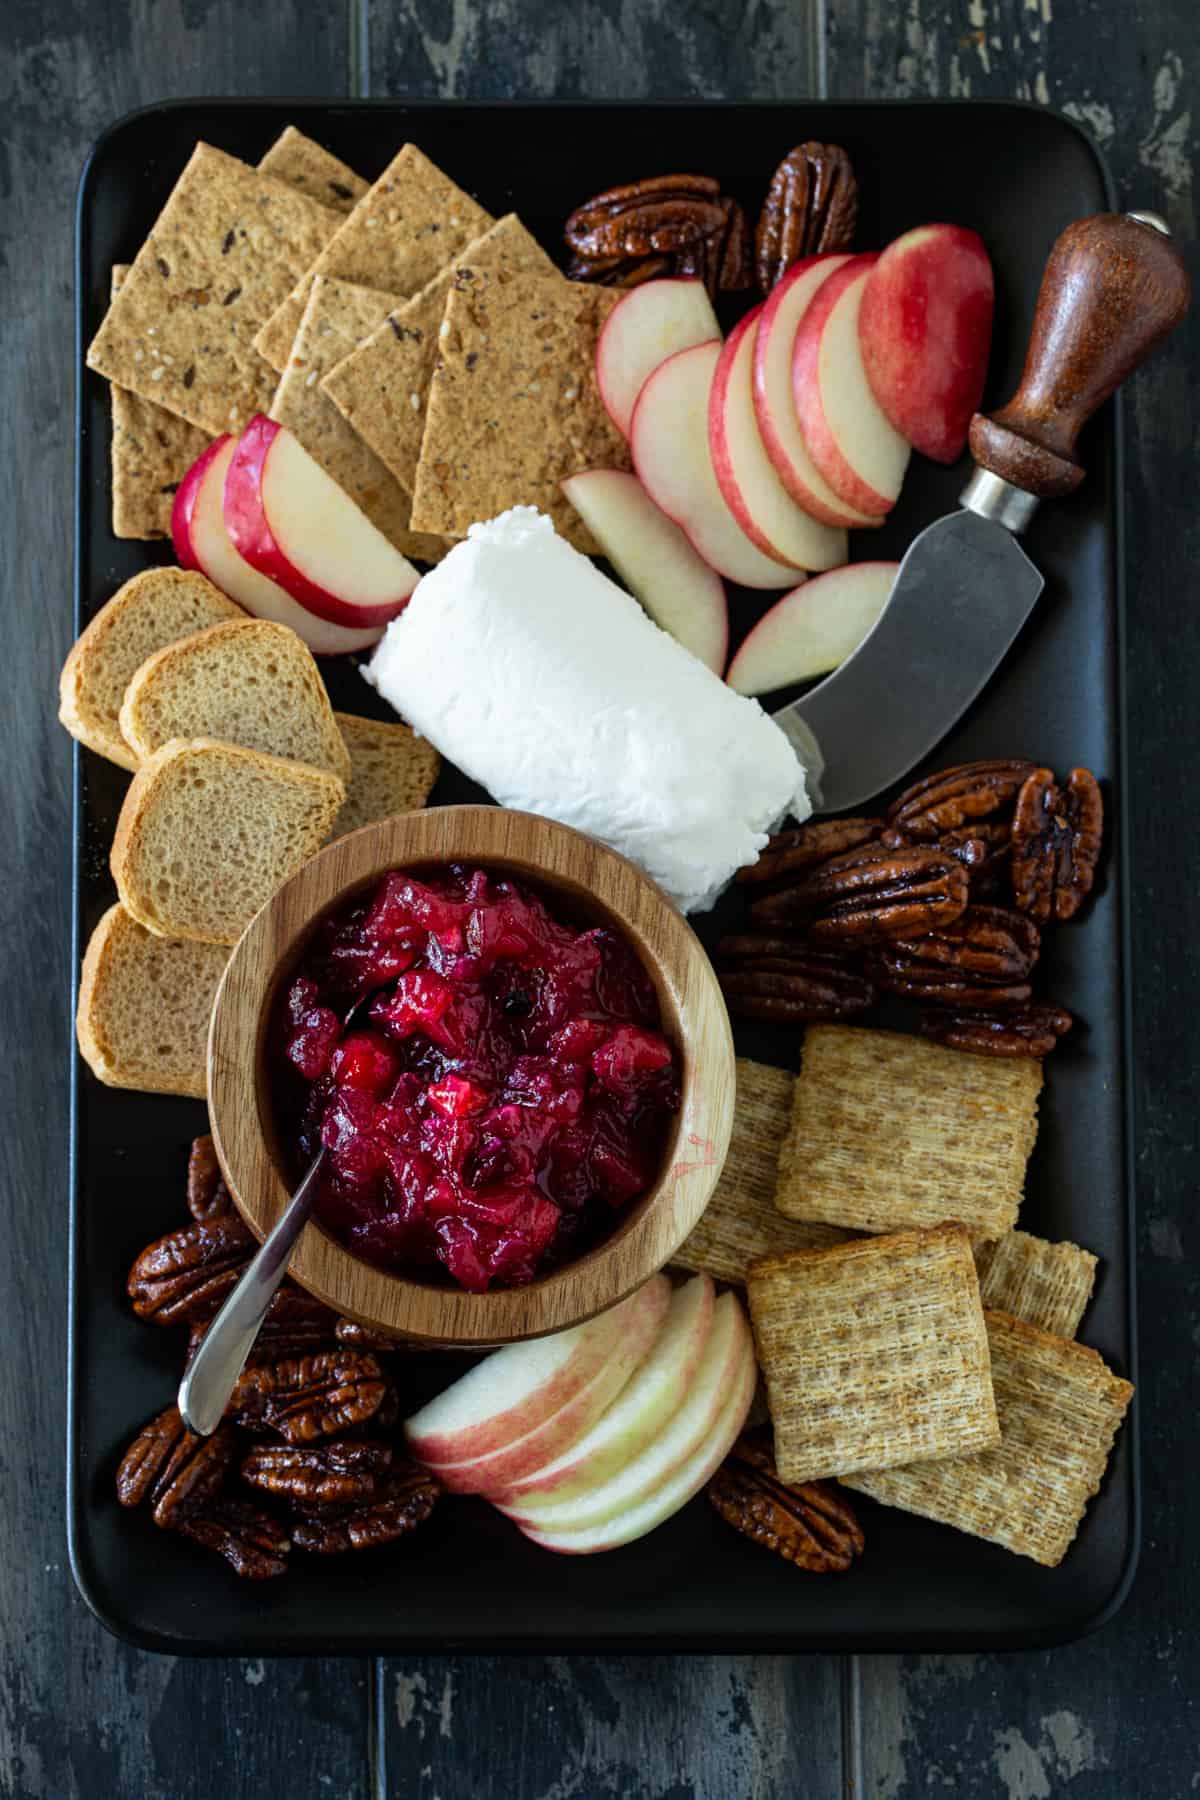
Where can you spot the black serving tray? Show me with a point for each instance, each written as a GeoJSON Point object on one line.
{"type": "Point", "coordinates": [1018, 174]}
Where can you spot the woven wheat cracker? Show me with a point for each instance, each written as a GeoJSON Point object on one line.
{"type": "Point", "coordinates": [1047, 1285]}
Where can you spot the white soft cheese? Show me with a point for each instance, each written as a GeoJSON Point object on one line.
{"type": "Point", "coordinates": [547, 684]}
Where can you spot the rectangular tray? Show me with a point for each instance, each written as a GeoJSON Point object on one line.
{"type": "Point", "coordinates": [1018, 174]}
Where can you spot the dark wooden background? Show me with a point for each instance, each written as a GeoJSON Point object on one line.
{"type": "Point", "coordinates": [81, 1715]}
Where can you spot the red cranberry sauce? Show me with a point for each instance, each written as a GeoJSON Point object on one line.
{"type": "Point", "coordinates": [506, 1088]}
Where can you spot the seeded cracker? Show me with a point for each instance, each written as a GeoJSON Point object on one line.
{"type": "Point", "coordinates": [383, 387]}
{"type": "Point", "coordinates": [314, 170]}
{"type": "Point", "coordinates": [338, 315]}
{"type": "Point", "coordinates": [741, 1223]}
{"type": "Point", "coordinates": [874, 1353]}
{"type": "Point", "coordinates": [391, 771]}
{"type": "Point", "coordinates": [513, 405]}
{"type": "Point", "coordinates": [1047, 1285]}
{"type": "Point", "coordinates": [152, 451]}
{"type": "Point", "coordinates": [1059, 1408]}
{"type": "Point", "coordinates": [888, 1131]}
{"type": "Point", "coordinates": [223, 252]}
{"type": "Point", "coordinates": [407, 227]}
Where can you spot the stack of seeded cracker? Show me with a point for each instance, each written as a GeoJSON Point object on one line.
{"type": "Point", "coordinates": [430, 357]}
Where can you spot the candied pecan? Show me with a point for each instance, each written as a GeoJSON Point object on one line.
{"type": "Point", "coordinates": [804, 984]}
{"type": "Point", "coordinates": [991, 941]}
{"type": "Point", "coordinates": [364, 1337]}
{"type": "Point", "coordinates": [680, 224]}
{"type": "Point", "coordinates": [253, 1543]}
{"type": "Point", "coordinates": [296, 1324]}
{"type": "Point", "coordinates": [173, 1468]}
{"type": "Point", "coordinates": [1056, 836]}
{"type": "Point", "coordinates": [306, 1397]}
{"type": "Point", "coordinates": [207, 1195]}
{"type": "Point", "coordinates": [811, 207]}
{"type": "Point", "coordinates": [405, 1499]}
{"type": "Point", "coordinates": [794, 852]}
{"type": "Point", "coordinates": [186, 1275]}
{"type": "Point", "coordinates": [953, 797]}
{"type": "Point", "coordinates": [811, 1524]}
{"type": "Point", "coordinates": [1031, 1030]}
{"type": "Point", "coordinates": [871, 894]}
{"type": "Point", "coordinates": [340, 1473]}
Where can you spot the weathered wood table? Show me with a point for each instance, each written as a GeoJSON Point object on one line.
{"type": "Point", "coordinates": [83, 1716]}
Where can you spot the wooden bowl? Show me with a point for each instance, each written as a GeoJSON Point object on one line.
{"type": "Point", "coordinates": [598, 886]}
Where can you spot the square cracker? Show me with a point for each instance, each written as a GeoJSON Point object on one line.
{"type": "Point", "coordinates": [1047, 1285]}
{"type": "Point", "coordinates": [1059, 1407]}
{"type": "Point", "coordinates": [874, 1353]}
{"type": "Point", "coordinates": [513, 404]}
{"type": "Point", "coordinates": [338, 315]}
{"type": "Point", "coordinates": [227, 246]}
{"type": "Point", "coordinates": [888, 1131]}
{"type": "Point", "coordinates": [152, 451]}
{"type": "Point", "coordinates": [307, 165]}
{"type": "Point", "coordinates": [741, 1223]}
{"type": "Point", "coordinates": [404, 229]}
{"type": "Point", "coordinates": [391, 771]}
{"type": "Point", "coordinates": [382, 388]}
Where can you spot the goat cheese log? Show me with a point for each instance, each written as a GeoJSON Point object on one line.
{"type": "Point", "coordinates": [547, 684]}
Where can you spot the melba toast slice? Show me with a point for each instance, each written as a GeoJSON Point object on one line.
{"type": "Point", "coordinates": [392, 771]}
{"type": "Point", "coordinates": [144, 1007]}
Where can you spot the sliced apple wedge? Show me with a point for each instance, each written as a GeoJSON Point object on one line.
{"type": "Point", "coordinates": [202, 542]}
{"type": "Point", "coordinates": [813, 629]}
{"type": "Point", "coordinates": [655, 559]}
{"type": "Point", "coordinates": [745, 473]}
{"type": "Point", "coordinates": [651, 323]}
{"type": "Point", "coordinates": [774, 401]}
{"type": "Point", "coordinates": [850, 438]}
{"type": "Point", "coordinates": [669, 441]}
{"type": "Point", "coordinates": [294, 524]}
{"type": "Point", "coordinates": [653, 1395]}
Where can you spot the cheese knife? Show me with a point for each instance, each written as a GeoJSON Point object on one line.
{"type": "Point", "coordinates": [1114, 287]}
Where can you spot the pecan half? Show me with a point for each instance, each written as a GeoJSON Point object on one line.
{"type": "Point", "coordinates": [1057, 834]}
{"type": "Point", "coordinates": [186, 1274]}
{"type": "Point", "coordinates": [313, 1477]}
{"type": "Point", "coordinates": [955, 797]}
{"type": "Point", "coordinates": [811, 207]}
{"type": "Point", "coordinates": [991, 941]}
{"type": "Point", "coordinates": [253, 1543]}
{"type": "Point", "coordinates": [173, 1468]}
{"type": "Point", "coordinates": [207, 1195]}
{"type": "Point", "coordinates": [811, 1525]}
{"type": "Point", "coordinates": [363, 1337]}
{"type": "Point", "coordinates": [871, 894]}
{"type": "Point", "coordinates": [794, 852]}
{"type": "Point", "coordinates": [1031, 1030]}
{"type": "Point", "coordinates": [307, 1397]}
{"type": "Point", "coordinates": [296, 1324]}
{"type": "Point", "coordinates": [405, 1500]}
{"type": "Point", "coordinates": [786, 980]}
{"type": "Point", "coordinates": [680, 224]}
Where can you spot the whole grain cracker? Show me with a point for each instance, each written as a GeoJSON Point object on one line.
{"type": "Point", "coordinates": [874, 1353]}
{"type": "Point", "coordinates": [513, 404]}
{"type": "Point", "coordinates": [404, 229]}
{"type": "Point", "coordinates": [392, 770]}
{"type": "Point", "coordinates": [315, 171]}
{"type": "Point", "coordinates": [741, 1223]}
{"type": "Point", "coordinates": [338, 315]}
{"type": "Point", "coordinates": [1059, 1407]}
{"type": "Point", "coordinates": [382, 388]}
{"type": "Point", "coordinates": [888, 1131]}
{"type": "Point", "coordinates": [1047, 1285]}
{"type": "Point", "coordinates": [151, 452]}
{"type": "Point", "coordinates": [226, 248]}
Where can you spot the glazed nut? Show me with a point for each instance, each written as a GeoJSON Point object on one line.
{"type": "Point", "coordinates": [207, 1195]}
{"type": "Point", "coordinates": [307, 1397]}
{"type": "Point", "coordinates": [295, 1324]}
{"type": "Point", "coordinates": [185, 1275]}
{"type": "Point", "coordinates": [173, 1468]}
{"type": "Point", "coordinates": [1031, 1030]}
{"type": "Point", "coordinates": [666, 224]}
{"type": "Point", "coordinates": [313, 1477]}
{"type": "Point", "coordinates": [952, 798]}
{"type": "Point", "coordinates": [793, 852]}
{"type": "Point", "coordinates": [404, 1499]}
{"type": "Point", "coordinates": [777, 979]}
{"type": "Point", "coordinates": [811, 1525]}
{"type": "Point", "coordinates": [989, 941]}
{"type": "Point", "coordinates": [1057, 835]}
{"type": "Point", "coordinates": [253, 1543]}
{"type": "Point", "coordinates": [870, 895]}
{"type": "Point", "coordinates": [811, 208]}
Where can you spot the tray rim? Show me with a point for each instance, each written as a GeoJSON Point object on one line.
{"type": "Point", "coordinates": [948, 1642]}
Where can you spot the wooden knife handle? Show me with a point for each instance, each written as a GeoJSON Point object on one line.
{"type": "Point", "coordinates": [1113, 288]}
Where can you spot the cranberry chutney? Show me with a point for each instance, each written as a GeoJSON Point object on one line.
{"type": "Point", "coordinates": [503, 1094]}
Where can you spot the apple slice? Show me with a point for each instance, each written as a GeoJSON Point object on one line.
{"type": "Point", "coordinates": [745, 473]}
{"type": "Point", "coordinates": [202, 542]}
{"type": "Point", "coordinates": [651, 323]}
{"type": "Point", "coordinates": [293, 523]}
{"type": "Point", "coordinates": [850, 438]}
{"type": "Point", "coordinates": [669, 441]}
{"type": "Point", "coordinates": [516, 1389]}
{"type": "Point", "coordinates": [653, 1396]}
{"type": "Point", "coordinates": [664, 1501]}
{"type": "Point", "coordinates": [925, 328]}
{"type": "Point", "coordinates": [812, 629]}
{"type": "Point", "coordinates": [655, 559]}
{"type": "Point", "coordinates": [728, 1348]}
{"type": "Point", "coordinates": [774, 403]}
{"type": "Point", "coordinates": [494, 1473]}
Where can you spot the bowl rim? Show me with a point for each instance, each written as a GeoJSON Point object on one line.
{"type": "Point", "coordinates": [563, 860]}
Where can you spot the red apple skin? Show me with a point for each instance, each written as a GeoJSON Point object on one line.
{"type": "Point", "coordinates": [184, 505]}
{"type": "Point", "coordinates": [826, 452]}
{"type": "Point", "coordinates": [248, 527]}
{"type": "Point", "coordinates": [925, 331]}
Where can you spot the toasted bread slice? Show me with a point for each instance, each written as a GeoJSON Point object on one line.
{"type": "Point", "coordinates": [246, 682]}
{"type": "Point", "coordinates": [208, 831]}
{"type": "Point", "coordinates": [144, 1006]}
{"type": "Point", "coordinates": [156, 608]}
{"type": "Point", "coordinates": [391, 771]}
